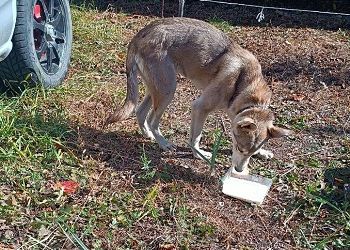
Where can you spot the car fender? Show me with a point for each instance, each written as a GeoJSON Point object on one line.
{"type": "Point", "coordinates": [8, 14]}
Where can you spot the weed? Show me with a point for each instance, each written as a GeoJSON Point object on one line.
{"type": "Point", "coordinates": [73, 237]}
{"type": "Point", "coordinates": [314, 163]}
{"type": "Point", "coordinates": [148, 171]}
{"type": "Point", "coordinates": [214, 151]}
{"type": "Point", "coordinates": [203, 229]}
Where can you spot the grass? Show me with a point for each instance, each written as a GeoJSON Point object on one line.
{"type": "Point", "coordinates": [42, 143]}
{"type": "Point", "coordinates": [33, 156]}
{"type": "Point", "coordinates": [321, 204]}
{"type": "Point", "coordinates": [149, 171]}
{"type": "Point", "coordinates": [223, 25]}
{"type": "Point", "coordinates": [214, 151]}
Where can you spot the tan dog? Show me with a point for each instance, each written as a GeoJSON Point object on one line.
{"type": "Point", "coordinates": [229, 76]}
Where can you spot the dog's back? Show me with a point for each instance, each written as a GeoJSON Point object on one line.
{"type": "Point", "coordinates": [197, 49]}
{"type": "Point", "coordinates": [196, 41]}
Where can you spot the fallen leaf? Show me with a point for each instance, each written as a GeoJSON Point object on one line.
{"type": "Point", "coordinates": [9, 234]}
{"type": "Point", "coordinates": [69, 187]}
{"type": "Point", "coordinates": [43, 231]}
{"type": "Point", "coordinates": [297, 97]}
{"type": "Point", "coordinates": [13, 201]}
{"type": "Point", "coordinates": [167, 247]}
{"type": "Point", "coordinates": [6, 247]}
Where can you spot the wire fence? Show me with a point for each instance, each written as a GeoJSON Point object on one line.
{"type": "Point", "coordinates": [261, 15]}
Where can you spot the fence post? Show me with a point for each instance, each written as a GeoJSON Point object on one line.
{"type": "Point", "coordinates": [181, 7]}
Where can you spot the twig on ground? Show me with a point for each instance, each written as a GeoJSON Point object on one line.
{"type": "Point", "coordinates": [40, 242]}
{"type": "Point", "coordinates": [292, 214]}
{"type": "Point", "coordinates": [289, 170]}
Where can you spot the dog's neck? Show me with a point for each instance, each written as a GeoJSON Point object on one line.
{"type": "Point", "coordinates": [251, 106]}
{"type": "Point", "coordinates": [250, 99]}
{"type": "Point", "coordinates": [250, 90]}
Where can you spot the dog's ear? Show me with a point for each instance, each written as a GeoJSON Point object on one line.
{"type": "Point", "coordinates": [277, 132]}
{"type": "Point", "coordinates": [247, 124]}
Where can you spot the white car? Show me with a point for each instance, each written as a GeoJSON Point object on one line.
{"type": "Point", "coordinates": [35, 41]}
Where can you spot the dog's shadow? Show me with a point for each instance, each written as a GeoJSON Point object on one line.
{"type": "Point", "coordinates": [131, 152]}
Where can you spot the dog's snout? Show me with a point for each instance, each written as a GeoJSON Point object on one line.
{"type": "Point", "coordinates": [239, 168]}
{"type": "Point", "coordinates": [239, 160]}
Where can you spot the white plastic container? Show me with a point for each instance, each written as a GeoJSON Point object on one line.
{"type": "Point", "coordinates": [245, 187]}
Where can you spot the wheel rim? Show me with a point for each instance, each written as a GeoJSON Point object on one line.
{"type": "Point", "coordinates": [50, 32]}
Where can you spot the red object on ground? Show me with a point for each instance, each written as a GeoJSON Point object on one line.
{"type": "Point", "coordinates": [69, 187]}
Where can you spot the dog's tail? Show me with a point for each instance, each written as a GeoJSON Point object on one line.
{"type": "Point", "coordinates": [132, 94]}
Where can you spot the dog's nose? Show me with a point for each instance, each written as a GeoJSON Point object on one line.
{"type": "Point", "coordinates": [239, 168]}
{"type": "Point", "coordinates": [241, 165]}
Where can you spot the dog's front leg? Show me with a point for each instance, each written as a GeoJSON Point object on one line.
{"type": "Point", "coordinates": [264, 154]}
{"type": "Point", "coordinates": [198, 117]}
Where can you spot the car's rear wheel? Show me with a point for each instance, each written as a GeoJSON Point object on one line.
{"type": "Point", "coordinates": [42, 43]}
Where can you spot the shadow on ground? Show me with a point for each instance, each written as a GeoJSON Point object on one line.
{"type": "Point", "coordinates": [339, 180]}
{"type": "Point", "coordinates": [124, 151]}
{"type": "Point", "coordinates": [287, 69]}
{"type": "Point", "coordinates": [329, 130]}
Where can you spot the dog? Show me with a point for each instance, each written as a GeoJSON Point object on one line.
{"type": "Point", "coordinates": [229, 77]}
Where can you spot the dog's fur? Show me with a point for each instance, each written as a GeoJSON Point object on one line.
{"type": "Point", "coordinates": [229, 76]}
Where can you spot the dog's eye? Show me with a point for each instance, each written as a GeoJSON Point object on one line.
{"type": "Point", "coordinates": [239, 150]}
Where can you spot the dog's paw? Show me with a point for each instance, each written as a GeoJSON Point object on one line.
{"type": "Point", "coordinates": [199, 153]}
{"type": "Point", "coordinates": [167, 146]}
{"type": "Point", "coordinates": [265, 154]}
{"type": "Point", "coordinates": [147, 132]}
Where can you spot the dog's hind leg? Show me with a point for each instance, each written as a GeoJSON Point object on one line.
{"type": "Point", "coordinates": [141, 115]}
{"type": "Point", "coordinates": [162, 91]}
{"type": "Point", "coordinates": [154, 121]}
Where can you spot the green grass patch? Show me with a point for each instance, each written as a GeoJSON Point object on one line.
{"type": "Point", "coordinates": [34, 156]}
{"type": "Point", "coordinates": [223, 25]}
{"type": "Point", "coordinates": [297, 123]}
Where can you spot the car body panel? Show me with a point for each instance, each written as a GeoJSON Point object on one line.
{"type": "Point", "coordinates": [7, 25]}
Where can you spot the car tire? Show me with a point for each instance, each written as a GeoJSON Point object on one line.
{"type": "Point", "coordinates": [42, 43]}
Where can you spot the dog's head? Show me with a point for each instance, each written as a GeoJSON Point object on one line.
{"type": "Point", "coordinates": [251, 129]}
